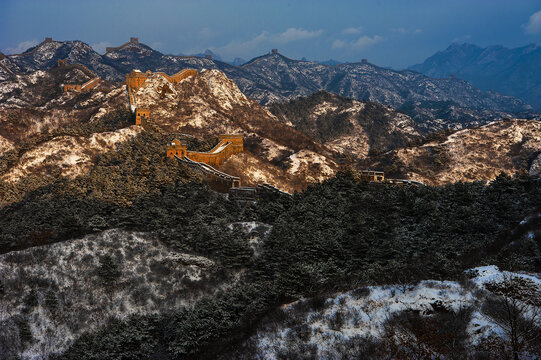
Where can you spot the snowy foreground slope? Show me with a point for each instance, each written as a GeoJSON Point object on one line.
{"type": "Point", "coordinates": [50, 295]}
{"type": "Point", "coordinates": [343, 324]}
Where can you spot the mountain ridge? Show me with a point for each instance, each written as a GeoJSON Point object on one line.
{"type": "Point", "coordinates": [512, 71]}
{"type": "Point", "coordinates": [276, 78]}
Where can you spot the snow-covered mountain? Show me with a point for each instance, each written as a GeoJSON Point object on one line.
{"type": "Point", "coordinates": [274, 77]}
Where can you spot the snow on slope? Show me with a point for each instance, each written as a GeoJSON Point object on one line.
{"type": "Point", "coordinates": [364, 312]}
{"type": "Point", "coordinates": [153, 279]}
{"type": "Point", "coordinates": [73, 155]}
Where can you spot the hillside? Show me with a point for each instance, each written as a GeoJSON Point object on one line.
{"type": "Point", "coordinates": [276, 78]}
{"type": "Point", "coordinates": [35, 103]}
{"type": "Point", "coordinates": [48, 134]}
{"type": "Point", "coordinates": [467, 155]}
{"type": "Point", "coordinates": [347, 126]}
{"type": "Point", "coordinates": [513, 72]}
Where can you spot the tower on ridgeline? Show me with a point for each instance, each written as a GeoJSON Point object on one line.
{"type": "Point", "coordinates": [141, 114]}
{"type": "Point", "coordinates": [274, 51]}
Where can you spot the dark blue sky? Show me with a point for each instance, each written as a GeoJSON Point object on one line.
{"type": "Point", "coordinates": [386, 32]}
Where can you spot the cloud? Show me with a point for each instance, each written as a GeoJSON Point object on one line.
{"type": "Point", "coordinates": [100, 47]}
{"type": "Point", "coordinates": [405, 31]}
{"type": "Point", "coordinates": [534, 24]}
{"type": "Point", "coordinates": [352, 30]}
{"type": "Point", "coordinates": [294, 34]}
{"type": "Point", "coordinates": [361, 43]}
{"type": "Point", "coordinates": [205, 33]}
{"type": "Point", "coordinates": [338, 44]}
{"type": "Point", "coordinates": [366, 41]}
{"type": "Point", "coordinates": [240, 48]}
{"type": "Point", "coordinates": [21, 47]}
{"type": "Point", "coordinates": [461, 38]}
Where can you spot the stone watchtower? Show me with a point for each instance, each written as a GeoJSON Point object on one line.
{"type": "Point", "coordinates": [176, 148]}
{"type": "Point", "coordinates": [141, 115]}
{"type": "Point", "coordinates": [134, 40]}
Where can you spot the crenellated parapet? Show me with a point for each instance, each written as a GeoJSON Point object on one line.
{"type": "Point", "coordinates": [227, 146]}
{"type": "Point", "coordinates": [133, 40]}
{"type": "Point", "coordinates": [90, 84]}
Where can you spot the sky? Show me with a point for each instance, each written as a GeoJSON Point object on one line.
{"type": "Point", "coordinates": [389, 33]}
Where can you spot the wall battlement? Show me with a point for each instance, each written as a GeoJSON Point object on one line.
{"type": "Point", "coordinates": [133, 40]}
{"type": "Point", "coordinates": [135, 79]}
{"type": "Point", "coordinates": [90, 84]}
{"type": "Point", "coordinates": [227, 146]}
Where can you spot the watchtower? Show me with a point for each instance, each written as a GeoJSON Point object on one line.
{"type": "Point", "coordinates": [237, 142]}
{"type": "Point", "coordinates": [134, 40]}
{"type": "Point", "coordinates": [176, 148]}
{"type": "Point", "coordinates": [371, 175]}
{"type": "Point", "coordinates": [135, 79]}
{"type": "Point", "coordinates": [141, 114]}
{"type": "Point", "coordinates": [48, 40]}
{"type": "Point", "coordinates": [274, 51]}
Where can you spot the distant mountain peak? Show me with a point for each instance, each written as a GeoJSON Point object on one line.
{"type": "Point", "coordinates": [513, 72]}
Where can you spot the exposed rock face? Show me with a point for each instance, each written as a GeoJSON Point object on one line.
{"type": "Point", "coordinates": [72, 155]}
{"type": "Point", "coordinates": [45, 56]}
{"type": "Point", "coordinates": [204, 106]}
{"type": "Point", "coordinates": [467, 155]}
{"type": "Point", "coordinates": [210, 104]}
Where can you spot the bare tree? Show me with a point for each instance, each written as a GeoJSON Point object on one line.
{"type": "Point", "coordinates": [518, 315]}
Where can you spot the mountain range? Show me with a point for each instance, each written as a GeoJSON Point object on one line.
{"type": "Point", "coordinates": [515, 72]}
{"type": "Point", "coordinates": [275, 78]}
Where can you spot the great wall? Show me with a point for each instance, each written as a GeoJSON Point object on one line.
{"type": "Point", "coordinates": [202, 162]}
{"type": "Point", "coordinates": [90, 84]}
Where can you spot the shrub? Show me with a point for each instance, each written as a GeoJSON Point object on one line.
{"type": "Point", "coordinates": [25, 334]}
{"type": "Point", "coordinates": [337, 320]}
{"type": "Point", "coordinates": [108, 270]}
{"type": "Point", "coordinates": [361, 292]}
{"type": "Point", "coordinates": [51, 301]}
